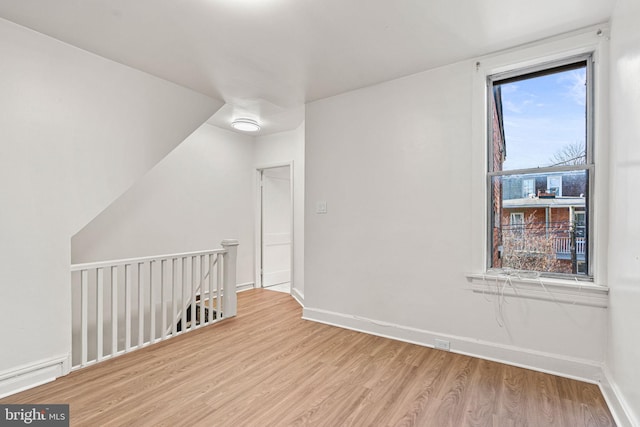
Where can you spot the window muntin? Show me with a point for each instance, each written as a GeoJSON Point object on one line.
{"type": "Point", "coordinates": [540, 168]}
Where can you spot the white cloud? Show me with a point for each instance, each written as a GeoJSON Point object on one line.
{"type": "Point", "coordinates": [509, 88]}
{"type": "Point", "coordinates": [574, 83]}
{"type": "Point", "coordinates": [510, 106]}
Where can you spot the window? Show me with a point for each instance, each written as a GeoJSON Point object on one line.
{"type": "Point", "coordinates": [580, 222]}
{"type": "Point", "coordinates": [554, 185]}
{"type": "Point", "coordinates": [516, 224]}
{"type": "Point", "coordinates": [528, 187]}
{"type": "Point", "coordinates": [516, 220]}
{"type": "Point", "coordinates": [540, 167]}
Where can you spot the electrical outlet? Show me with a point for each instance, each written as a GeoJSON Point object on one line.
{"type": "Point", "coordinates": [443, 345]}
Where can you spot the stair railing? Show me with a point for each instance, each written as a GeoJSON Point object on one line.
{"type": "Point", "coordinates": [116, 301]}
{"type": "Point", "coordinates": [199, 299]}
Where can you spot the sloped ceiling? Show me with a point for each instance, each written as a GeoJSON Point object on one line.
{"type": "Point", "coordinates": [266, 58]}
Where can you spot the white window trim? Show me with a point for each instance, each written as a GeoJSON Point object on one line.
{"type": "Point", "coordinates": [590, 40]}
{"type": "Point", "coordinates": [513, 215]}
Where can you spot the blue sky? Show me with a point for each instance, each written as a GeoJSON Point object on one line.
{"type": "Point", "coordinates": [541, 116]}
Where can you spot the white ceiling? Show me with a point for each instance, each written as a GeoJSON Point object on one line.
{"type": "Point", "coordinates": [266, 58]}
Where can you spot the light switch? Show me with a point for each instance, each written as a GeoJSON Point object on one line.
{"type": "Point", "coordinates": [321, 207]}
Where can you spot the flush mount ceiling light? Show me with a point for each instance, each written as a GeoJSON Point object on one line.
{"type": "Point", "coordinates": [245, 125]}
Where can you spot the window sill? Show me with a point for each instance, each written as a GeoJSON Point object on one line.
{"type": "Point", "coordinates": [546, 289]}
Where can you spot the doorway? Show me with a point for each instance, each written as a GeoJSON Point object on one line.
{"type": "Point", "coordinates": [275, 228]}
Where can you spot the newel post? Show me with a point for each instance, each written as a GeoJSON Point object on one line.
{"type": "Point", "coordinates": [229, 297]}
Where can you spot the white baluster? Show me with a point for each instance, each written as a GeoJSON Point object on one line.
{"type": "Point", "coordinates": [185, 285]}
{"type": "Point", "coordinates": [99, 312]}
{"type": "Point", "coordinates": [174, 306]}
{"type": "Point", "coordinates": [127, 307]}
{"type": "Point", "coordinates": [194, 290]}
{"type": "Point", "coordinates": [210, 316]}
{"type": "Point", "coordinates": [152, 306]}
{"type": "Point", "coordinates": [140, 304]}
{"type": "Point", "coordinates": [203, 293]}
{"type": "Point", "coordinates": [219, 269]}
{"type": "Point", "coordinates": [84, 297]}
{"type": "Point", "coordinates": [163, 264]}
{"type": "Point", "coordinates": [114, 310]}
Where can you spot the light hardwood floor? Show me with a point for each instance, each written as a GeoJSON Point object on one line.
{"type": "Point", "coordinates": [267, 367]}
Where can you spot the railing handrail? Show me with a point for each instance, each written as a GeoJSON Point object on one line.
{"type": "Point", "coordinates": [562, 245]}
{"type": "Point", "coordinates": [109, 263]}
{"type": "Point", "coordinates": [569, 237]}
{"type": "Point", "coordinates": [150, 288]}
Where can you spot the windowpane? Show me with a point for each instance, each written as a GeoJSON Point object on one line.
{"type": "Point", "coordinates": [528, 187]}
{"type": "Point", "coordinates": [543, 119]}
{"type": "Point", "coordinates": [542, 232]}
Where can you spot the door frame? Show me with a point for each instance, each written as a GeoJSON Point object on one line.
{"type": "Point", "coordinates": [258, 220]}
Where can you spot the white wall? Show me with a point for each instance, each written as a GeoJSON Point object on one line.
{"type": "Point", "coordinates": [394, 164]}
{"type": "Point", "coordinates": [623, 355]}
{"type": "Point", "coordinates": [281, 148]}
{"type": "Point", "coordinates": [75, 131]}
{"type": "Point", "coordinates": [198, 195]}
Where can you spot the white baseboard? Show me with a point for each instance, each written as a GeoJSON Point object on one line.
{"type": "Point", "coordinates": [556, 364]}
{"type": "Point", "coordinates": [618, 406]}
{"type": "Point", "coordinates": [31, 375]}
{"type": "Point", "coordinates": [298, 296]}
{"type": "Point", "coordinates": [240, 287]}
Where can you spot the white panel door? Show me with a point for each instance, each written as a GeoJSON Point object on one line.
{"type": "Point", "coordinates": [276, 226]}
